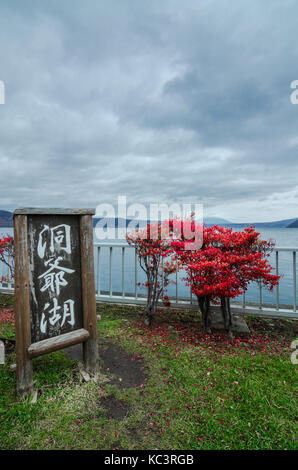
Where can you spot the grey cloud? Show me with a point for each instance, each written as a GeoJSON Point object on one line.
{"type": "Point", "coordinates": [155, 100]}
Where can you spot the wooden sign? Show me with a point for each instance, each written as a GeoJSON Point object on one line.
{"type": "Point", "coordinates": [55, 302]}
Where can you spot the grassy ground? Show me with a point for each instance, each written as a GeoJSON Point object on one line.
{"type": "Point", "coordinates": [199, 391]}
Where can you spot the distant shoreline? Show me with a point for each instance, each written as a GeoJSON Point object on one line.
{"type": "Point", "coordinates": [6, 221]}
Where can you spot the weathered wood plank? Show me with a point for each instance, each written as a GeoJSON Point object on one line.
{"type": "Point", "coordinates": [58, 342]}
{"type": "Point", "coordinates": [48, 211]}
{"type": "Point", "coordinates": [24, 372]}
{"type": "Point", "coordinates": [90, 347]}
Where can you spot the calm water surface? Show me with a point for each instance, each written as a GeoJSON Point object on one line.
{"type": "Point", "coordinates": [284, 238]}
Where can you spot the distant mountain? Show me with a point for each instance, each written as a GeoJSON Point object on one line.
{"type": "Point", "coordinates": [293, 224]}
{"type": "Point", "coordinates": [6, 219]}
{"type": "Point", "coordinates": [286, 223]}
{"type": "Point", "coordinates": [216, 220]}
{"type": "Point", "coordinates": [276, 224]}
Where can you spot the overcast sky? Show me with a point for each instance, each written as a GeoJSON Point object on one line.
{"type": "Point", "coordinates": [161, 101]}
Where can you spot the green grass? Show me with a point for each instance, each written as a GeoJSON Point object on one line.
{"type": "Point", "coordinates": [195, 396]}
{"type": "Point", "coordinates": [7, 331]}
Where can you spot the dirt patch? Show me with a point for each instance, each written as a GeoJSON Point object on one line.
{"type": "Point", "coordinates": [114, 408]}
{"type": "Point", "coordinates": [75, 352]}
{"type": "Point", "coordinates": [125, 370]}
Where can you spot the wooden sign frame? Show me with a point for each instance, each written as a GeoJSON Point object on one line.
{"type": "Point", "coordinates": [25, 350]}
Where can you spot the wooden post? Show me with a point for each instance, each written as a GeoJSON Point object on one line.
{"type": "Point", "coordinates": [90, 346]}
{"type": "Point", "coordinates": [24, 371]}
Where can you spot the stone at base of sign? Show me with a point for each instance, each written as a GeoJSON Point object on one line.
{"type": "Point", "coordinates": [34, 396]}
{"type": "Point", "coordinates": [2, 353]}
{"type": "Point", "coordinates": [83, 373]}
{"type": "Point", "coordinates": [96, 377]}
{"type": "Point", "coordinates": [13, 367]}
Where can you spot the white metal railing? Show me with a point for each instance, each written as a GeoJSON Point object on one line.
{"type": "Point", "coordinates": [259, 307]}
{"type": "Point", "coordinates": [134, 296]}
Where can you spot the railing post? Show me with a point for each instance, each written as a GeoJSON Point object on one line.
{"type": "Point", "coordinates": [294, 281]}
{"type": "Point", "coordinates": [110, 273]}
{"type": "Point", "coordinates": [162, 277]}
{"type": "Point", "coordinates": [277, 287]}
{"type": "Point", "coordinates": [98, 270]}
{"type": "Point", "coordinates": [176, 282]}
{"type": "Point", "coordinates": [123, 257]}
{"type": "Point", "coordinates": [261, 297]}
{"type": "Point", "coordinates": [136, 275]}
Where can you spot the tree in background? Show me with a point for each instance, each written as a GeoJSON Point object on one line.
{"type": "Point", "coordinates": [7, 256]}
{"type": "Point", "coordinates": [154, 252]}
{"type": "Point", "coordinates": [224, 267]}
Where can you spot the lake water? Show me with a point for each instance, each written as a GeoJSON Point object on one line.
{"type": "Point", "coordinates": [284, 238]}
